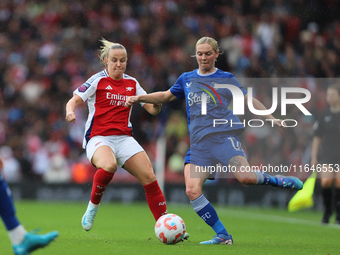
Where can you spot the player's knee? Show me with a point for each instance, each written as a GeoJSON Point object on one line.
{"type": "Point", "coordinates": [108, 165]}
{"type": "Point", "coordinates": [148, 178]}
{"type": "Point", "coordinates": [192, 192]}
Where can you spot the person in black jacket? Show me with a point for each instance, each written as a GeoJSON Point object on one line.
{"type": "Point", "coordinates": [326, 153]}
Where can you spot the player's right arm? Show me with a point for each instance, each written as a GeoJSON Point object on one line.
{"type": "Point", "coordinates": [152, 98]}
{"type": "Point", "coordinates": [319, 130]}
{"type": "Point", "coordinates": [71, 106]}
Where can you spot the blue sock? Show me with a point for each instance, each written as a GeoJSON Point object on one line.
{"type": "Point", "coordinates": [207, 213]}
{"type": "Point", "coordinates": [7, 210]}
{"type": "Point", "coordinates": [265, 179]}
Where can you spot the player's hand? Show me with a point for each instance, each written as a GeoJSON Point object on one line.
{"type": "Point", "coordinates": [131, 101]}
{"type": "Point", "coordinates": [280, 123]}
{"type": "Point", "coordinates": [70, 117]}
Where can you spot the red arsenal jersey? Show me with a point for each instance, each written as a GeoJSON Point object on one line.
{"type": "Point", "coordinates": [105, 98]}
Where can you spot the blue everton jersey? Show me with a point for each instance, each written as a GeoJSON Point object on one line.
{"type": "Point", "coordinates": [192, 86]}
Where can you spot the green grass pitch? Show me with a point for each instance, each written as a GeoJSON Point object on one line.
{"type": "Point", "coordinates": [129, 229]}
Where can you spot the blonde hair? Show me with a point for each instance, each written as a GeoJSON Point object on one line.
{"type": "Point", "coordinates": [213, 43]}
{"type": "Point", "coordinates": [105, 49]}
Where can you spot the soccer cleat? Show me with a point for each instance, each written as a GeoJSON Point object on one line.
{"type": "Point", "coordinates": [88, 218]}
{"type": "Point", "coordinates": [289, 182]}
{"type": "Point", "coordinates": [220, 239]}
{"type": "Point", "coordinates": [185, 236]}
{"type": "Point", "coordinates": [33, 241]}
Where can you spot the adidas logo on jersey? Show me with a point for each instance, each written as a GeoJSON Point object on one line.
{"type": "Point", "coordinates": [109, 87]}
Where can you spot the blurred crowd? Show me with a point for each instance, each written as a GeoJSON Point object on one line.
{"type": "Point", "coordinates": [50, 47]}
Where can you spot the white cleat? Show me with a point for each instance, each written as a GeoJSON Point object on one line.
{"type": "Point", "coordinates": [88, 218]}
{"type": "Point", "coordinates": [185, 236]}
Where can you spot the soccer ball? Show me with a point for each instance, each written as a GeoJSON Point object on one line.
{"type": "Point", "coordinates": [170, 228]}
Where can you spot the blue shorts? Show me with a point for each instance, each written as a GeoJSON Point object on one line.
{"type": "Point", "coordinates": [213, 149]}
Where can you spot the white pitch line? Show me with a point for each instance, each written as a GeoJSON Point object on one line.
{"type": "Point", "coordinates": [274, 218]}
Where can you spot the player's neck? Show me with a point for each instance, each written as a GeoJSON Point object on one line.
{"type": "Point", "coordinates": [116, 78]}
{"type": "Point", "coordinates": [205, 72]}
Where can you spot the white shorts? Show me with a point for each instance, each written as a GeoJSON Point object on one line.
{"type": "Point", "coordinates": [123, 146]}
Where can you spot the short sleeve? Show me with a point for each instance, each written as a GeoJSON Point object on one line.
{"type": "Point", "coordinates": [140, 91]}
{"type": "Point", "coordinates": [177, 89]}
{"type": "Point", "coordinates": [319, 125]}
{"type": "Point", "coordinates": [318, 128]}
{"type": "Point", "coordinates": [238, 84]}
{"type": "Point", "coordinates": [87, 89]}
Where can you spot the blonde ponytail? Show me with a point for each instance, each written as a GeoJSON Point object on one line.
{"type": "Point", "coordinates": [106, 47]}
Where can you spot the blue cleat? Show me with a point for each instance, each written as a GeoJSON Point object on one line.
{"type": "Point", "coordinates": [34, 241]}
{"type": "Point", "coordinates": [289, 182]}
{"type": "Point", "coordinates": [220, 239]}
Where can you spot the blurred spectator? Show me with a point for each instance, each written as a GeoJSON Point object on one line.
{"type": "Point", "coordinates": [58, 172]}
{"type": "Point", "coordinates": [176, 160]}
{"type": "Point", "coordinates": [11, 170]}
{"type": "Point", "coordinates": [38, 154]}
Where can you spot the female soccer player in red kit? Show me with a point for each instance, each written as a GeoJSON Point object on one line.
{"type": "Point", "coordinates": [108, 141]}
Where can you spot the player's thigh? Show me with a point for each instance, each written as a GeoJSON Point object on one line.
{"type": "Point", "coordinates": [329, 174]}
{"type": "Point", "coordinates": [105, 158]}
{"type": "Point", "coordinates": [337, 182]}
{"type": "Point", "coordinates": [126, 147]}
{"type": "Point", "coordinates": [327, 177]}
{"type": "Point", "coordinates": [139, 165]}
{"type": "Point", "coordinates": [337, 176]}
{"type": "Point", "coordinates": [193, 185]}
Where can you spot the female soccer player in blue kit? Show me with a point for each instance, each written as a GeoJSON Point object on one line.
{"type": "Point", "coordinates": [211, 145]}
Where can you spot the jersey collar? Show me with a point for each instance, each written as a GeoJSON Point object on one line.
{"type": "Point", "coordinates": [207, 74]}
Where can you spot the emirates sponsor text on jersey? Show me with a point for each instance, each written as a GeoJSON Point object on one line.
{"type": "Point", "coordinates": [116, 99]}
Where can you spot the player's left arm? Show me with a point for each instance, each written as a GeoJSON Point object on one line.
{"type": "Point", "coordinates": [259, 106]}
{"type": "Point", "coordinates": [151, 102]}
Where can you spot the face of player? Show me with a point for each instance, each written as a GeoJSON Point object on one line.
{"type": "Point", "coordinates": [116, 63]}
{"type": "Point", "coordinates": [206, 56]}
{"type": "Point", "coordinates": [333, 97]}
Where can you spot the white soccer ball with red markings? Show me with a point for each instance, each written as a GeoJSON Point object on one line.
{"type": "Point", "coordinates": [170, 228]}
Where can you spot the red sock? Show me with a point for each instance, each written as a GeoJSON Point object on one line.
{"type": "Point", "coordinates": [155, 199]}
{"type": "Point", "coordinates": [100, 180]}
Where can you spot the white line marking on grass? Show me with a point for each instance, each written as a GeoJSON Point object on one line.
{"type": "Point", "coordinates": [265, 217]}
